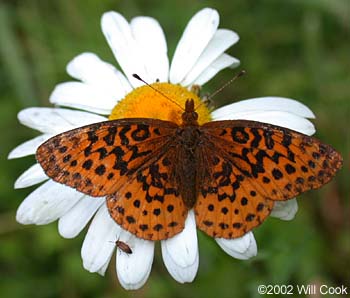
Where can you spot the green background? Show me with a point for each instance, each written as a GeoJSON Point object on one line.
{"type": "Point", "coordinates": [293, 48]}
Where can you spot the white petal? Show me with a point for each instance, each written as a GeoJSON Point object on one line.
{"type": "Point", "coordinates": [151, 41]}
{"type": "Point", "coordinates": [180, 253]}
{"type": "Point", "coordinates": [283, 119]}
{"type": "Point", "coordinates": [103, 269]}
{"type": "Point", "coordinates": [261, 104]}
{"type": "Point", "coordinates": [98, 244]}
{"type": "Point", "coordinates": [72, 222]}
{"type": "Point", "coordinates": [55, 120]}
{"type": "Point", "coordinates": [133, 269]}
{"type": "Point", "coordinates": [220, 42]}
{"type": "Point", "coordinates": [241, 248]}
{"type": "Point", "coordinates": [198, 32]}
{"type": "Point", "coordinates": [28, 147]}
{"type": "Point", "coordinates": [34, 175]}
{"type": "Point", "coordinates": [223, 61]}
{"type": "Point", "coordinates": [47, 203]}
{"type": "Point", "coordinates": [89, 68]}
{"type": "Point", "coordinates": [125, 48]}
{"type": "Point", "coordinates": [285, 210]}
{"type": "Point", "coordinates": [83, 96]}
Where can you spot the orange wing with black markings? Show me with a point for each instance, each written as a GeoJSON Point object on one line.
{"type": "Point", "coordinates": [251, 165]}
{"type": "Point", "coordinates": [98, 159]}
{"type": "Point", "coordinates": [128, 160]}
{"type": "Point", "coordinates": [150, 206]}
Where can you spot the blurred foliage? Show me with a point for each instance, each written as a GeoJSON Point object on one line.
{"type": "Point", "coordinates": [292, 48]}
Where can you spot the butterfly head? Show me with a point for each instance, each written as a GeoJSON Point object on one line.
{"type": "Point", "coordinates": [189, 116]}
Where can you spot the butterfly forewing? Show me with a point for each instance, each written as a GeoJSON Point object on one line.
{"type": "Point", "coordinates": [253, 164]}
{"type": "Point", "coordinates": [99, 158]}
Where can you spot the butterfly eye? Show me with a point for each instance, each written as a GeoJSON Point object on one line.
{"type": "Point", "coordinates": [189, 117]}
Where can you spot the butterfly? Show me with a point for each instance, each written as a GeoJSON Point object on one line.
{"type": "Point", "coordinates": [153, 172]}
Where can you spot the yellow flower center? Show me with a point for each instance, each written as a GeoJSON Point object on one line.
{"type": "Point", "coordinates": [144, 102]}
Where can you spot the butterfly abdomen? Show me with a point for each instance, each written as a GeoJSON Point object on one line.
{"type": "Point", "coordinates": [187, 162]}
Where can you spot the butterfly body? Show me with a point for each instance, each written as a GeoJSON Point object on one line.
{"type": "Point", "coordinates": [187, 141]}
{"type": "Point", "coordinates": [153, 172]}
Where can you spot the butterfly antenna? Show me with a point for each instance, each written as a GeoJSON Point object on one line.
{"type": "Point", "coordinates": [136, 76]}
{"type": "Point", "coordinates": [241, 73]}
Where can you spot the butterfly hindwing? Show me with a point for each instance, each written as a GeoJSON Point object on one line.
{"type": "Point", "coordinates": [253, 164]}
{"type": "Point", "coordinates": [228, 205]}
{"type": "Point", "coordinates": [150, 205]}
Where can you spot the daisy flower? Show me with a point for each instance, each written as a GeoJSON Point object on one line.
{"type": "Point", "coordinates": [103, 92]}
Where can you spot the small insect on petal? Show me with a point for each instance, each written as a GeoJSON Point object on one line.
{"type": "Point", "coordinates": [123, 246]}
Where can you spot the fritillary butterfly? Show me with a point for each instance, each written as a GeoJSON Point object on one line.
{"type": "Point", "coordinates": [153, 171]}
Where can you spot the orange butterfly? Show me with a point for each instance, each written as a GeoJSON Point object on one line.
{"type": "Point", "coordinates": [153, 171]}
